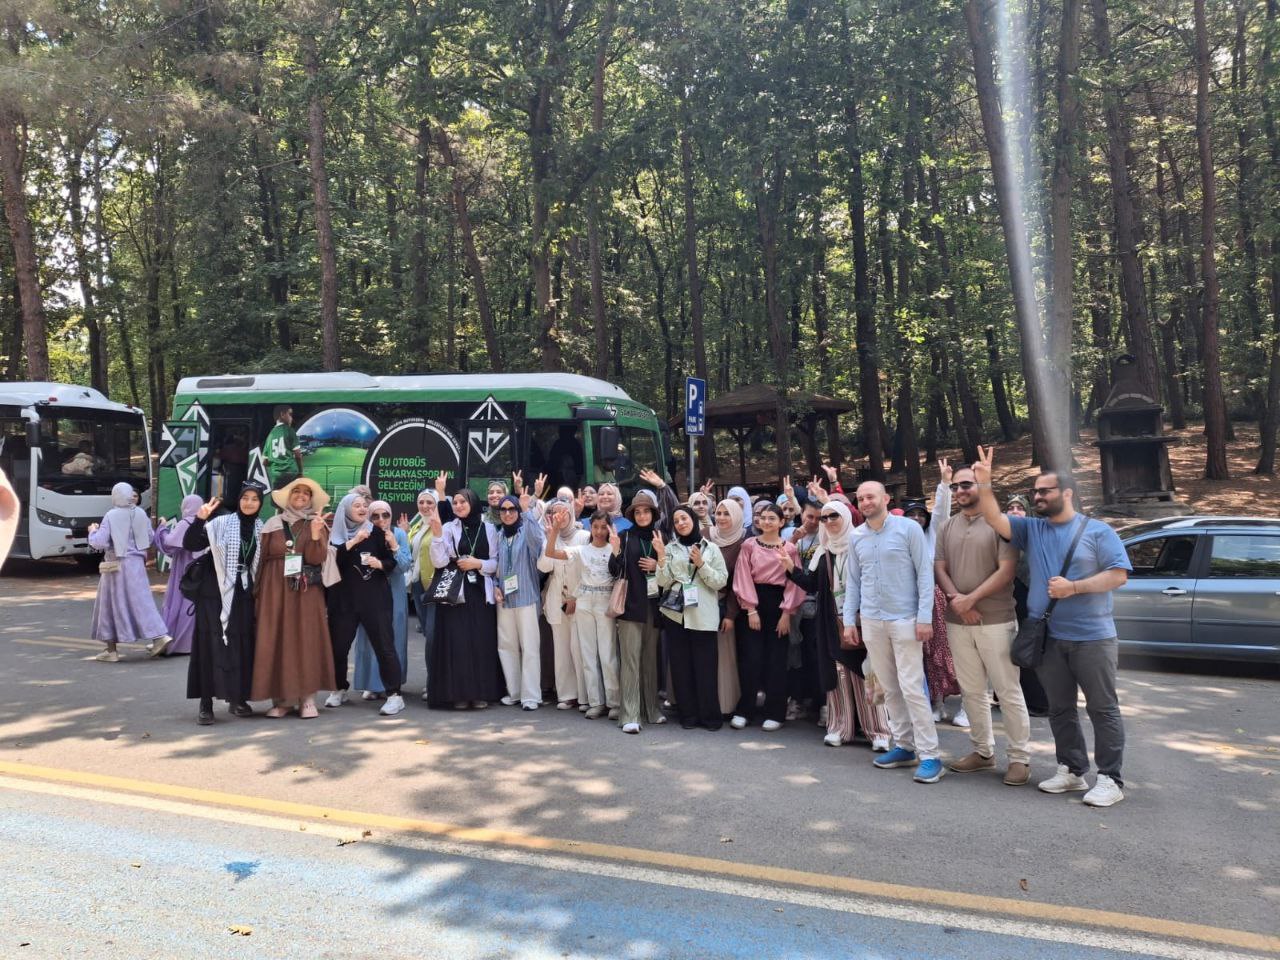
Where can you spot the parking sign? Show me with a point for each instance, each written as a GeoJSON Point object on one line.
{"type": "Point", "coordinates": [695, 406]}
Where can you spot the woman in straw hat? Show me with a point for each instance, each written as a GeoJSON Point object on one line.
{"type": "Point", "coordinates": [294, 658]}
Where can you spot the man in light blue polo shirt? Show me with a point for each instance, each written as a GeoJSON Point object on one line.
{"type": "Point", "coordinates": [1082, 649]}
{"type": "Point", "coordinates": [889, 584]}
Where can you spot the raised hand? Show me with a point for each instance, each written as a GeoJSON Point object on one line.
{"type": "Point", "coordinates": [441, 479]}
{"type": "Point", "coordinates": [525, 500]}
{"type": "Point", "coordinates": [615, 542]}
{"type": "Point", "coordinates": [579, 504]}
{"type": "Point", "coordinates": [784, 558]}
{"type": "Point", "coordinates": [517, 481]}
{"type": "Point", "coordinates": [695, 556]}
{"type": "Point", "coordinates": [944, 470]}
{"type": "Point", "coordinates": [982, 466]}
{"type": "Point", "coordinates": [833, 475]}
{"type": "Point", "coordinates": [708, 486]}
{"type": "Point", "coordinates": [361, 535]}
{"type": "Point", "coordinates": [403, 522]}
{"type": "Point", "coordinates": [651, 477]}
{"type": "Point", "coordinates": [659, 548]}
{"type": "Point", "coordinates": [206, 510]}
{"type": "Point", "coordinates": [787, 489]}
{"type": "Point", "coordinates": [94, 528]}
{"type": "Point", "coordinates": [437, 529]}
{"type": "Point", "coordinates": [539, 486]}
{"type": "Point", "coordinates": [318, 528]}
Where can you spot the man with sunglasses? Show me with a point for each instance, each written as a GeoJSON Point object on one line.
{"type": "Point", "coordinates": [975, 569]}
{"type": "Point", "coordinates": [1081, 649]}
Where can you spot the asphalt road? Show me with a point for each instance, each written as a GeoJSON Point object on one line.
{"type": "Point", "coordinates": [1195, 842]}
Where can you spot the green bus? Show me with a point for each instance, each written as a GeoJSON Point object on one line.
{"type": "Point", "coordinates": [395, 434]}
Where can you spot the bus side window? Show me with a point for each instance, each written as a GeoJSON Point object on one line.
{"type": "Point", "coordinates": [556, 450]}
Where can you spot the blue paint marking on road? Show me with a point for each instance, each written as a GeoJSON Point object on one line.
{"type": "Point", "coordinates": [138, 866]}
{"type": "Point", "coordinates": [242, 869]}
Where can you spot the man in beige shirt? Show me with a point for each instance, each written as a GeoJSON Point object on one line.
{"type": "Point", "coordinates": [975, 568]}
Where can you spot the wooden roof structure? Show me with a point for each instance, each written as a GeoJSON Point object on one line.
{"type": "Point", "coordinates": [754, 405]}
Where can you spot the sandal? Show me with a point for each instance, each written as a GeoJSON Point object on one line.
{"type": "Point", "coordinates": [275, 713]}
{"type": "Point", "coordinates": [308, 710]}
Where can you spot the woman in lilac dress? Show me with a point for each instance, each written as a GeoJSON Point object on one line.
{"type": "Point", "coordinates": [178, 611]}
{"type": "Point", "coordinates": [125, 611]}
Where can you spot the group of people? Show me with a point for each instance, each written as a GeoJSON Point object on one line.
{"type": "Point", "coordinates": [863, 614]}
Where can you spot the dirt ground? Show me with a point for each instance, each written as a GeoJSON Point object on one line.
{"type": "Point", "coordinates": [1244, 494]}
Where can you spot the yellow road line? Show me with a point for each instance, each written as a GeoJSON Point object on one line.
{"type": "Point", "coordinates": [977, 903]}
{"type": "Point", "coordinates": [64, 644]}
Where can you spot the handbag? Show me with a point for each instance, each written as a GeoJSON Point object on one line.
{"type": "Point", "coordinates": [618, 597]}
{"type": "Point", "coordinates": [446, 586]}
{"type": "Point", "coordinates": [108, 566]}
{"type": "Point", "coordinates": [673, 598]}
{"type": "Point", "coordinates": [191, 585]}
{"type": "Point", "coordinates": [1027, 649]}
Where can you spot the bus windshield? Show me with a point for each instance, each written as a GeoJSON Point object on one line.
{"type": "Point", "coordinates": [93, 448]}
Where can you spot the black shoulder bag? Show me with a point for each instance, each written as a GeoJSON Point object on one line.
{"type": "Point", "coordinates": [1028, 646]}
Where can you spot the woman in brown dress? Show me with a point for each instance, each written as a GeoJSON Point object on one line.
{"type": "Point", "coordinates": [293, 658]}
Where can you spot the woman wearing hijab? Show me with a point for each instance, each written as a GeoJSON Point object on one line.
{"type": "Point", "coordinates": [361, 597]}
{"type": "Point", "coordinates": [700, 504]}
{"type": "Point", "coordinates": [221, 663]}
{"type": "Point", "coordinates": [769, 600]}
{"type": "Point", "coordinates": [726, 534]}
{"type": "Point", "coordinates": [124, 611]}
{"type": "Point", "coordinates": [520, 541]}
{"type": "Point", "coordinates": [692, 565]}
{"type": "Point", "coordinates": [496, 491]}
{"type": "Point", "coordinates": [423, 570]}
{"type": "Point", "coordinates": [635, 558]}
{"type": "Point", "coordinates": [609, 500]}
{"type": "Point", "coordinates": [587, 496]}
{"type": "Point", "coordinates": [839, 666]}
{"type": "Point", "coordinates": [178, 613]}
{"type": "Point", "coordinates": [560, 603]}
{"type": "Point", "coordinates": [294, 656]}
{"type": "Point", "coordinates": [464, 670]}
{"type": "Point", "coordinates": [744, 500]}
{"type": "Point", "coordinates": [368, 678]}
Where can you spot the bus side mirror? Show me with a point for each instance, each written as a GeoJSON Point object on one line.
{"type": "Point", "coordinates": [33, 434]}
{"type": "Point", "coordinates": [607, 447]}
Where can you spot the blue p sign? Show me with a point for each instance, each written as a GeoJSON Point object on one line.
{"type": "Point", "coordinates": [695, 407]}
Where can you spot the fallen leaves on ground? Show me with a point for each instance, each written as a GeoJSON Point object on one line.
{"type": "Point", "coordinates": [240, 930]}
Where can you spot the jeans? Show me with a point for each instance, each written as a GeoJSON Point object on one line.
{"type": "Point", "coordinates": [1089, 665]}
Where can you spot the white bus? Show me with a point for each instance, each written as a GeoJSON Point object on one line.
{"type": "Point", "coordinates": [63, 448]}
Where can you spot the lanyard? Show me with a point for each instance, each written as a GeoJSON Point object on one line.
{"type": "Point", "coordinates": [508, 551]}
{"type": "Point", "coordinates": [471, 551]}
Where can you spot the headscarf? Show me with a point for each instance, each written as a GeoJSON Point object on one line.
{"type": "Point", "coordinates": [694, 535]}
{"type": "Point", "coordinates": [698, 497]}
{"type": "Point", "coordinates": [736, 529]}
{"type": "Point", "coordinates": [475, 516]}
{"type": "Point", "coordinates": [344, 528]}
{"type": "Point", "coordinates": [1018, 498]}
{"type": "Point", "coordinates": [748, 515]}
{"type": "Point", "coordinates": [190, 506]}
{"type": "Point", "coordinates": [835, 542]}
{"type": "Point", "coordinates": [566, 533]}
{"type": "Point", "coordinates": [509, 529]}
{"type": "Point", "coordinates": [492, 512]}
{"type": "Point", "coordinates": [420, 542]}
{"type": "Point", "coordinates": [287, 514]}
{"type": "Point", "coordinates": [613, 514]}
{"type": "Point", "coordinates": [125, 516]}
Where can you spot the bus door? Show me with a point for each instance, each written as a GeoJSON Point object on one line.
{"type": "Point", "coordinates": [15, 461]}
{"type": "Point", "coordinates": [230, 445]}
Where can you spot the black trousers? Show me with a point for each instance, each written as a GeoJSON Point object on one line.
{"type": "Point", "coordinates": [762, 660]}
{"type": "Point", "coordinates": [344, 620]}
{"type": "Point", "coordinates": [694, 659]}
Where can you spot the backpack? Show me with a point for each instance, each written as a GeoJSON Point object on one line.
{"type": "Point", "coordinates": [193, 579]}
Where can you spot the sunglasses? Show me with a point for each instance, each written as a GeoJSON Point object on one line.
{"type": "Point", "coordinates": [828, 517]}
{"type": "Point", "coordinates": [1041, 491]}
{"type": "Point", "coordinates": [508, 509]}
{"type": "Point", "coordinates": [962, 485]}
{"type": "Point", "coordinates": [380, 515]}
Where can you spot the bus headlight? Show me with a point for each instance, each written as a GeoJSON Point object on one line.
{"type": "Point", "coordinates": [53, 520]}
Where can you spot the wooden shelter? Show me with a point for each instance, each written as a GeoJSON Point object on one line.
{"type": "Point", "coordinates": [756, 405]}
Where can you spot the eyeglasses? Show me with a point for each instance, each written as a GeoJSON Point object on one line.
{"type": "Point", "coordinates": [1042, 491]}
{"type": "Point", "coordinates": [962, 485]}
{"type": "Point", "coordinates": [380, 515]}
{"type": "Point", "coordinates": [508, 509]}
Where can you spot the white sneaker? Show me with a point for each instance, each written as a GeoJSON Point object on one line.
{"type": "Point", "coordinates": [1064, 781]}
{"type": "Point", "coordinates": [833, 740]}
{"type": "Point", "coordinates": [508, 701]}
{"type": "Point", "coordinates": [879, 744]}
{"type": "Point", "coordinates": [770, 725]}
{"type": "Point", "coordinates": [1104, 793]}
{"type": "Point", "coordinates": [369, 695]}
{"type": "Point", "coordinates": [961, 719]}
{"type": "Point", "coordinates": [158, 648]}
{"type": "Point", "coordinates": [394, 704]}
{"type": "Point", "coordinates": [631, 728]}
{"type": "Point", "coordinates": [336, 699]}
{"type": "Point", "coordinates": [108, 656]}
{"type": "Point", "coordinates": [738, 722]}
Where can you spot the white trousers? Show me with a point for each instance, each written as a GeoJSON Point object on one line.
{"type": "Point", "coordinates": [568, 658]}
{"type": "Point", "coordinates": [897, 658]}
{"type": "Point", "coordinates": [981, 655]}
{"type": "Point", "coordinates": [598, 650]}
{"type": "Point", "coordinates": [520, 652]}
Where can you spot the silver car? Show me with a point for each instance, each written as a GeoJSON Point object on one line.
{"type": "Point", "coordinates": [1202, 587]}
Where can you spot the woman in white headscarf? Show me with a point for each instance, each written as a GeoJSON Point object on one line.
{"type": "Point", "coordinates": [839, 667]}
{"type": "Point", "coordinates": [125, 611]}
{"type": "Point", "coordinates": [368, 677]}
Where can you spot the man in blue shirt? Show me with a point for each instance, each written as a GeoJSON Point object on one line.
{"type": "Point", "coordinates": [1082, 648]}
{"type": "Point", "coordinates": [889, 584]}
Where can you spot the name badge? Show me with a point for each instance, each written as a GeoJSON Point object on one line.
{"type": "Point", "coordinates": [511, 584]}
{"type": "Point", "coordinates": [471, 576]}
{"type": "Point", "coordinates": [292, 564]}
{"type": "Point", "coordinates": [651, 588]}
{"type": "Point", "coordinates": [690, 595]}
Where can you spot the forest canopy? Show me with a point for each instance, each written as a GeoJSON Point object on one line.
{"type": "Point", "coordinates": [954, 213]}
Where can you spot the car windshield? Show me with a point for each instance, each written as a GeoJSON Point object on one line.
{"type": "Point", "coordinates": [91, 450]}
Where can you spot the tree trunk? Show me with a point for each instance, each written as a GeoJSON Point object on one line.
{"type": "Point", "coordinates": [599, 319]}
{"type": "Point", "coordinates": [768, 202]}
{"type": "Point", "coordinates": [474, 264]}
{"type": "Point", "coordinates": [1215, 411]}
{"type": "Point", "coordinates": [331, 357]}
{"type": "Point", "coordinates": [1271, 119]}
{"type": "Point", "coordinates": [995, 373]}
{"type": "Point", "coordinates": [1061, 254]}
{"type": "Point", "coordinates": [1046, 373]}
{"type": "Point", "coordinates": [84, 276]}
{"type": "Point", "coordinates": [25, 263]}
{"type": "Point", "coordinates": [1171, 326]}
